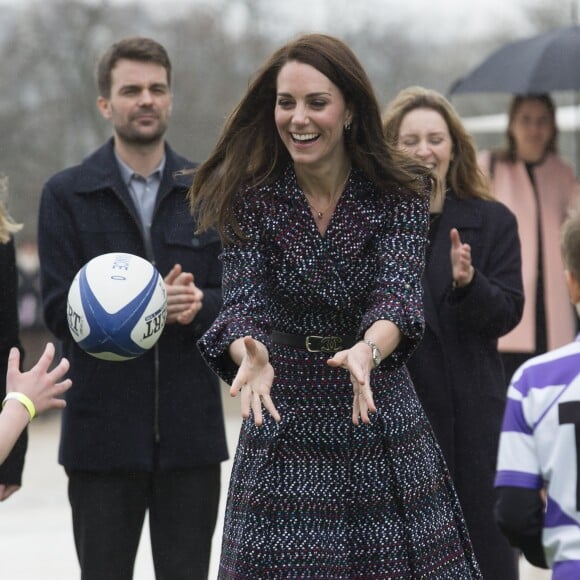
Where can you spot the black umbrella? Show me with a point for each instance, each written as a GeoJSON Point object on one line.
{"type": "Point", "coordinates": [540, 64]}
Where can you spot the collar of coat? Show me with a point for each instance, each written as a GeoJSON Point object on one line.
{"type": "Point", "coordinates": [328, 264]}
{"type": "Point", "coordinates": [100, 170]}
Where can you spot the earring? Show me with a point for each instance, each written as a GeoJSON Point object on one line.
{"type": "Point", "coordinates": [347, 126]}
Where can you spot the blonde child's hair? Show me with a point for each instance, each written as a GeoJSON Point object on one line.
{"type": "Point", "coordinates": [7, 225]}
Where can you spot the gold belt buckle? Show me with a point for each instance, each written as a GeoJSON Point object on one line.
{"type": "Point", "coordinates": [328, 344]}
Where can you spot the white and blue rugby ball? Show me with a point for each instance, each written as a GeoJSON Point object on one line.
{"type": "Point", "coordinates": [117, 306]}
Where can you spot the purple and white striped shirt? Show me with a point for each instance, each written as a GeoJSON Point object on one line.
{"type": "Point", "coordinates": [540, 448]}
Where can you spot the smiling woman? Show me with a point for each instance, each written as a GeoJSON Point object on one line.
{"type": "Point", "coordinates": [473, 294]}
{"type": "Point", "coordinates": [310, 116]}
{"type": "Point", "coordinates": [424, 134]}
{"type": "Point", "coordinates": [322, 307]}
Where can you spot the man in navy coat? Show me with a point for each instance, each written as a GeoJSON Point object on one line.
{"type": "Point", "coordinates": [144, 435]}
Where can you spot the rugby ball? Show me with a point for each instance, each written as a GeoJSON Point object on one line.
{"type": "Point", "coordinates": [117, 306]}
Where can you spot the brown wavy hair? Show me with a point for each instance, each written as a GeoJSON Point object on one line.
{"type": "Point", "coordinates": [464, 175]}
{"type": "Point", "coordinates": [250, 152]}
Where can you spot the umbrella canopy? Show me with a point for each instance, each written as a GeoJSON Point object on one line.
{"type": "Point", "coordinates": [540, 64]}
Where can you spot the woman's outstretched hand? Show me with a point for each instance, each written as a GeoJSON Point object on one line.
{"type": "Point", "coordinates": [254, 379]}
{"type": "Point", "coordinates": [358, 361]}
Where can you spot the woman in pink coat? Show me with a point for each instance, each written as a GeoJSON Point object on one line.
{"type": "Point", "coordinates": [538, 186]}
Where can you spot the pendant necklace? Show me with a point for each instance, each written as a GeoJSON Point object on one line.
{"type": "Point", "coordinates": [320, 213]}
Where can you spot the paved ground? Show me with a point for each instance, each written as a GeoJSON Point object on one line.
{"type": "Point", "coordinates": [36, 540]}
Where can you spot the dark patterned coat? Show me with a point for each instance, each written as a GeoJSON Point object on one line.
{"type": "Point", "coordinates": [315, 495]}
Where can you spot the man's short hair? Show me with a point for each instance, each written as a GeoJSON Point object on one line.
{"type": "Point", "coordinates": [135, 48]}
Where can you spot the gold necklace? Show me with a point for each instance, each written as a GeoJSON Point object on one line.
{"type": "Point", "coordinates": [320, 213]}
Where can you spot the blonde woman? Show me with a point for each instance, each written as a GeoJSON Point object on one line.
{"type": "Point", "coordinates": [472, 295]}
{"type": "Point", "coordinates": [23, 395]}
{"type": "Point", "coordinates": [11, 470]}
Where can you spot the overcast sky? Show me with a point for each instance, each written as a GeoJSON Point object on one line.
{"type": "Point", "coordinates": [437, 18]}
{"type": "Point", "coordinates": [452, 18]}
{"type": "Point", "coordinates": [446, 19]}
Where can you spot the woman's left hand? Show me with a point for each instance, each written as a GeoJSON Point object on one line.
{"type": "Point", "coordinates": [358, 361]}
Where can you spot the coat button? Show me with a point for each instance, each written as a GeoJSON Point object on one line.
{"type": "Point", "coordinates": [195, 242]}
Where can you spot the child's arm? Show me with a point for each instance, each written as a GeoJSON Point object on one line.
{"type": "Point", "coordinates": [519, 513]}
{"type": "Point", "coordinates": [13, 421]}
{"type": "Point", "coordinates": [34, 392]}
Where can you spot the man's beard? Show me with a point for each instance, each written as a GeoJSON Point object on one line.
{"type": "Point", "coordinates": [131, 137]}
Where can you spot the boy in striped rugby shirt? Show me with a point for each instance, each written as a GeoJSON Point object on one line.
{"type": "Point", "coordinates": [538, 475]}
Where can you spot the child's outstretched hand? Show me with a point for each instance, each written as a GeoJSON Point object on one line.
{"type": "Point", "coordinates": [40, 385]}
{"type": "Point", "coordinates": [28, 394]}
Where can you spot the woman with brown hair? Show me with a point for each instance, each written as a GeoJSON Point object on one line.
{"type": "Point", "coordinates": [531, 178]}
{"type": "Point", "coordinates": [473, 295]}
{"type": "Point", "coordinates": [337, 473]}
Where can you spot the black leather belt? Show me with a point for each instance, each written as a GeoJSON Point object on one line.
{"type": "Point", "coordinates": [314, 342]}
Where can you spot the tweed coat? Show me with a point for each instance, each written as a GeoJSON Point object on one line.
{"type": "Point", "coordinates": [117, 411]}
{"type": "Point", "coordinates": [315, 495]}
{"type": "Point", "coordinates": [457, 370]}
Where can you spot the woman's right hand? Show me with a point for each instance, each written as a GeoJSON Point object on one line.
{"type": "Point", "coordinates": [461, 266]}
{"type": "Point", "coordinates": [253, 379]}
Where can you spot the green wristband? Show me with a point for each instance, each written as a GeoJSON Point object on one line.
{"type": "Point", "coordinates": [24, 400]}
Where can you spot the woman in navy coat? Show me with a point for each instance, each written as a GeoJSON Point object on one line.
{"type": "Point", "coordinates": [472, 296]}
{"type": "Point", "coordinates": [337, 473]}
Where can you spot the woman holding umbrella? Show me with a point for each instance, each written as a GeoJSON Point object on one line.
{"type": "Point", "coordinates": [538, 186]}
{"type": "Point", "coordinates": [472, 295]}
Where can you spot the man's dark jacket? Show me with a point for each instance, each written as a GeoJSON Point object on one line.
{"type": "Point", "coordinates": [118, 411]}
